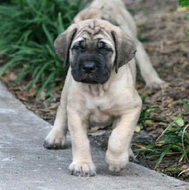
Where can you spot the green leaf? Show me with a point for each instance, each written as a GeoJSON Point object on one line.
{"type": "Point", "coordinates": [187, 16]}
{"type": "Point", "coordinates": [143, 92]}
{"type": "Point", "coordinates": [60, 27]}
{"type": "Point", "coordinates": [51, 76]}
{"type": "Point", "coordinates": [48, 35]}
{"type": "Point", "coordinates": [38, 75]}
{"type": "Point", "coordinates": [162, 156]}
{"type": "Point", "coordinates": [187, 106]}
{"type": "Point", "coordinates": [184, 3]}
{"type": "Point", "coordinates": [148, 122]}
{"type": "Point", "coordinates": [179, 121]}
{"type": "Point", "coordinates": [137, 128]}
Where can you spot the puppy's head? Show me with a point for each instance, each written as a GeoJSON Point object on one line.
{"type": "Point", "coordinates": [93, 48]}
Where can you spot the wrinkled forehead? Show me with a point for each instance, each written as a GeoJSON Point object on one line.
{"type": "Point", "coordinates": [94, 30]}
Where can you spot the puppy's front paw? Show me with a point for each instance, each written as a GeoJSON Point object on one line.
{"type": "Point", "coordinates": [55, 140]}
{"type": "Point", "coordinates": [156, 83]}
{"type": "Point", "coordinates": [82, 169]}
{"type": "Point", "coordinates": [116, 162]}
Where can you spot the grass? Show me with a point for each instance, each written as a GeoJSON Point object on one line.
{"type": "Point", "coordinates": [174, 140]}
{"type": "Point", "coordinates": [28, 29]}
{"type": "Point", "coordinates": [185, 3]}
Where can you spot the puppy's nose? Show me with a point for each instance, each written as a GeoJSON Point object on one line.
{"type": "Point", "coordinates": [88, 66]}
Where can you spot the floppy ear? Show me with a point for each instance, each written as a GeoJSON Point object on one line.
{"type": "Point", "coordinates": [63, 43]}
{"type": "Point", "coordinates": [125, 48]}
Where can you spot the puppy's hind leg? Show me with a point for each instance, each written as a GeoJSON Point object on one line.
{"type": "Point", "coordinates": [143, 61]}
{"type": "Point", "coordinates": [56, 139]}
{"type": "Point", "coordinates": [147, 70]}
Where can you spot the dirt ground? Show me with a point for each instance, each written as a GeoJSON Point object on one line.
{"type": "Point", "coordinates": [162, 27]}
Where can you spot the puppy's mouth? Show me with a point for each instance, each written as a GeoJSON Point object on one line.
{"type": "Point", "coordinates": [84, 77]}
{"type": "Point", "coordinates": [89, 79]}
{"type": "Point", "coordinates": [96, 77]}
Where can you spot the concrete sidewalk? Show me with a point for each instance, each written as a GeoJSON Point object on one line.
{"type": "Point", "coordinates": [26, 165]}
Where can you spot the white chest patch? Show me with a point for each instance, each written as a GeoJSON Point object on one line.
{"type": "Point", "coordinates": [99, 111]}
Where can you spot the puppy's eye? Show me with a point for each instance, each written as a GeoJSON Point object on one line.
{"type": "Point", "coordinates": [101, 45]}
{"type": "Point", "coordinates": [80, 45]}
{"type": "Point", "coordinates": [104, 47]}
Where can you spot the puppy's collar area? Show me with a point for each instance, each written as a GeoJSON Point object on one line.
{"type": "Point", "coordinates": [96, 90]}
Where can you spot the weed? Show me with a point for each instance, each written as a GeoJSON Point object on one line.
{"type": "Point", "coordinates": [28, 29]}
{"type": "Point", "coordinates": [185, 3]}
{"type": "Point", "coordinates": [174, 140]}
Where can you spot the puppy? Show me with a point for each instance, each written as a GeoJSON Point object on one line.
{"type": "Point", "coordinates": [100, 85]}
